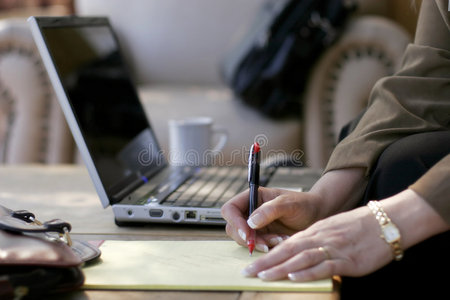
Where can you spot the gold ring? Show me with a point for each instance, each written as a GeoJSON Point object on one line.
{"type": "Point", "coordinates": [325, 252]}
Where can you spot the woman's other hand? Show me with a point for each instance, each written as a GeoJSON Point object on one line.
{"type": "Point", "coordinates": [280, 214]}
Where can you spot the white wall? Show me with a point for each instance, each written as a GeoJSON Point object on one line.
{"type": "Point", "coordinates": [176, 41]}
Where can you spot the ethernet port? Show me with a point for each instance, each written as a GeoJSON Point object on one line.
{"type": "Point", "coordinates": [190, 215]}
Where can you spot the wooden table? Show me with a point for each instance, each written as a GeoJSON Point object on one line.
{"type": "Point", "coordinates": [66, 192]}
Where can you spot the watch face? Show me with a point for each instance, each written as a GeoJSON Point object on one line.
{"type": "Point", "coordinates": [391, 233]}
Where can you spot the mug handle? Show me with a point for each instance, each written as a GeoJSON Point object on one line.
{"type": "Point", "coordinates": [223, 137]}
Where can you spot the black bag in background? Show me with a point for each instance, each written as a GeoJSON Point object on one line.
{"type": "Point", "coordinates": [269, 68]}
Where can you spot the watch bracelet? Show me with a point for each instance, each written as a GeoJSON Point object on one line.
{"type": "Point", "coordinates": [383, 219]}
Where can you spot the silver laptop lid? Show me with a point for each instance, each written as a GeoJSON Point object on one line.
{"type": "Point", "coordinates": [100, 102]}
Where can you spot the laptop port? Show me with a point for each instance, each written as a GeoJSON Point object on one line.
{"type": "Point", "coordinates": [212, 219]}
{"type": "Point", "coordinates": [190, 215]}
{"type": "Point", "coordinates": [176, 216]}
{"type": "Point", "coordinates": [156, 213]}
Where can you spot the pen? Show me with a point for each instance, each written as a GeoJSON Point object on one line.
{"type": "Point", "coordinates": [253, 181]}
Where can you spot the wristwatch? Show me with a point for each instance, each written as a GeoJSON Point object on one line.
{"type": "Point", "coordinates": [389, 231]}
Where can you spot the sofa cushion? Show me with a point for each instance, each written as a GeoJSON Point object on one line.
{"type": "Point", "coordinates": [32, 127]}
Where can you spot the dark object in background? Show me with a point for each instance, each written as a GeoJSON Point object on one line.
{"type": "Point", "coordinates": [269, 67]}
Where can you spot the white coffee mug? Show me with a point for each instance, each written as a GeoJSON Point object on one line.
{"type": "Point", "coordinates": [190, 141]}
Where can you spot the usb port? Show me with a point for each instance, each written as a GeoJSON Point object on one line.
{"type": "Point", "coordinates": [189, 214]}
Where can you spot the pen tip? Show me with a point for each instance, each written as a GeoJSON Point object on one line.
{"type": "Point", "coordinates": [251, 247]}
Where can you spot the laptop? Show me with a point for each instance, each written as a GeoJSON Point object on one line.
{"type": "Point", "coordinates": [116, 141]}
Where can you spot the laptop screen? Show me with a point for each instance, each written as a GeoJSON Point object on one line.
{"type": "Point", "coordinates": [105, 103]}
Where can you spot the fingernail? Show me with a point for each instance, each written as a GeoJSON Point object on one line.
{"type": "Point", "coordinates": [263, 275]}
{"type": "Point", "coordinates": [294, 277]}
{"type": "Point", "coordinates": [266, 275]}
{"type": "Point", "coordinates": [248, 271]}
{"type": "Point", "coordinates": [262, 248]}
{"type": "Point", "coordinates": [275, 240]}
{"type": "Point", "coordinates": [242, 235]}
{"type": "Point", "coordinates": [254, 221]}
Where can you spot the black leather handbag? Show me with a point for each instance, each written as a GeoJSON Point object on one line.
{"type": "Point", "coordinates": [268, 68]}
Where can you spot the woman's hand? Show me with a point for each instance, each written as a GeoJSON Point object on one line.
{"type": "Point", "coordinates": [280, 214]}
{"type": "Point", "coordinates": [345, 244]}
{"type": "Point", "coordinates": [283, 213]}
{"type": "Point", "coordinates": [349, 243]}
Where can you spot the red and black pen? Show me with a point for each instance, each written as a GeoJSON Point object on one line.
{"type": "Point", "coordinates": [253, 181]}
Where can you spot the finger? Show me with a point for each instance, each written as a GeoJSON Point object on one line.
{"type": "Point", "coordinates": [231, 232]}
{"type": "Point", "coordinates": [273, 239]}
{"type": "Point", "coordinates": [277, 256]}
{"type": "Point", "coordinates": [270, 211]}
{"type": "Point", "coordinates": [236, 206]}
{"type": "Point", "coordinates": [325, 269]}
{"type": "Point", "coordinates": [305, 259]}
{"type": "Point", "coordinates": [235, 213]}
{"type": "Point", "coordinates": [260, 243]}
{"type": "Point", "coordinates": [262, 247]}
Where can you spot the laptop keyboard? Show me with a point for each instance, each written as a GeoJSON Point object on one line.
{"type": "Point", "coordinates": [209, 187]}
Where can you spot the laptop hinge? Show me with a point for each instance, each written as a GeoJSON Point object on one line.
{"type": "Point", "coordinates": [117, 197]}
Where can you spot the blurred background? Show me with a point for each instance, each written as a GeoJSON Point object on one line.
{"type": "Point", "coordinates": [175, 49]}
{"type": "Point", "coordinates": [25, 8]}
{"type": "Point", "coordinates": [398, 10]}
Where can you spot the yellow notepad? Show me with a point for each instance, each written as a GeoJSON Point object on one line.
{"type": "Point", "coordinates": [182, 265]}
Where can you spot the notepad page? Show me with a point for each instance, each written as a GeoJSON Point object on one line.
{"type": "Point", "coordinates": [182, 265]}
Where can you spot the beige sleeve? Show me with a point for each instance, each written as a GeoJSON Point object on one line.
{"type": "Point", "coordinates": [414, 100]}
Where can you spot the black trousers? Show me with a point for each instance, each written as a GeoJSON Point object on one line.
{"type": "Point", "coordinates": [424, 271]}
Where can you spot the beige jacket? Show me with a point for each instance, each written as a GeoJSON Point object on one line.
{"type": "Point", "coordinates": [416, 99]}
